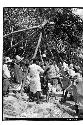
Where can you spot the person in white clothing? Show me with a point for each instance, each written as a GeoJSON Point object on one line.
{"type": "Point", "coordinates": [6, 71]}
{"type": "Point", "coordinates": [65, 66]}
{"type": "Point", "coordinates": [71, 73]}
{"type": "Point", "coordinates": [6, 76]}
{"type": "Point", "coordinates": [35, 84]}
{"type": "Point", "coordinates": [5, 67]}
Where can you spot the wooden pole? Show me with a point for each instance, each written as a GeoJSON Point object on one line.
{"type": "Point", "coordinates": [12, 37]}
{"type": "Point", "coordinates": [41, 26]}
{"type": "Point", "coordinates": [35, 53]}
{"type": "Point", "coordinates": [41, 56]}
{"type": "Point", "coordinates": [34, 27]}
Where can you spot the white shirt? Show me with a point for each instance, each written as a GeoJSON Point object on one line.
{"type": "Point", "coordinates": [71, 72]}
{"type": "Point", "coordinates": [65, 66]}
{"type": "Point", "coordinates": [35, 84]}
{"type": "Point", "coordinates": [35, 70]}
{"type": "Point", "coordinates": [6, 71]}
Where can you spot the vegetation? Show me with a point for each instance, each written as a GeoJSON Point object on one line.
{"type": "Point", "coordinates": [61, 30]}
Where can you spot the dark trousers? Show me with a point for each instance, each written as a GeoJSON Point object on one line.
{"type": "Point", "coordinates": [38, 96]}
{"type": "Point", "coordinates": [6, 84]}
{"type": "Point", "coordinates": [32, 96]}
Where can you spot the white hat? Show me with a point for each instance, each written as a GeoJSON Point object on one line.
{"type": "Point", "coordinates": [7, 59]}
{"type": "Point", "coordinates": [44, 55]}
{"type": "Point", "coordinates": [19, 58]}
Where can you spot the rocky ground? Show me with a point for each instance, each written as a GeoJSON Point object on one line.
{"type": "Point", "coordinates": [17, 106]}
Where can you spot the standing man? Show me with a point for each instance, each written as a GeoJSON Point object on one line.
{"type": "Point", "coordinates": [52, 76]}
{"type": "Point", "coordinates": [35, 84]}
{"type": "Point", "coordinates": [78, 95]}
{"type": "Point", "coordinates": [6, 76]}
{"type": "Point", "coordinates": [18, 72]}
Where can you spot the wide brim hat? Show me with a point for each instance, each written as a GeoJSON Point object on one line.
{"type": "Point", "coordinates": [7, 60]}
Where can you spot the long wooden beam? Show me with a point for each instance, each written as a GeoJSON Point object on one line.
{"type": "Point", "coordinates": [37, 46]}
{"type": "Point", "coordinates": [34, 27]}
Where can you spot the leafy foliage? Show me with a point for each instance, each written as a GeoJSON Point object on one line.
{"type": "Point", "coordinates": [59, 37]}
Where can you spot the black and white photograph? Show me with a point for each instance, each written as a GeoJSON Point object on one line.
{"type": "Point", "coordinates": [42, 63]}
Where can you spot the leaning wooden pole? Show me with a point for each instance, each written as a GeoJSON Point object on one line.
{"type": "Point", "coordinates": [38, 44]}
{"type": "Point", "coordinates": [30, 28]}
{"type": "Point", "coordinates": [40, 37]}
{"type": "Point", "coordinates": [41, 56]}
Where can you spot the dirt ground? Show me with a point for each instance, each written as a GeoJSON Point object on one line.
{"type": "Point", "coordinates": [17, 106]}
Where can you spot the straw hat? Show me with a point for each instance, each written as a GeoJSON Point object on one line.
{"type": "Point", "coordinates": [7, 59]}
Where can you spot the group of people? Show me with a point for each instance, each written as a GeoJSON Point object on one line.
{"type": "Point", "coordinates": [62, 76]}
{"type": "Point", "coordinates": [12, 72]}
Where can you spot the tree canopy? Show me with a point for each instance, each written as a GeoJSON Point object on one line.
{"type": "Point", "coordinates": [62, 32]}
